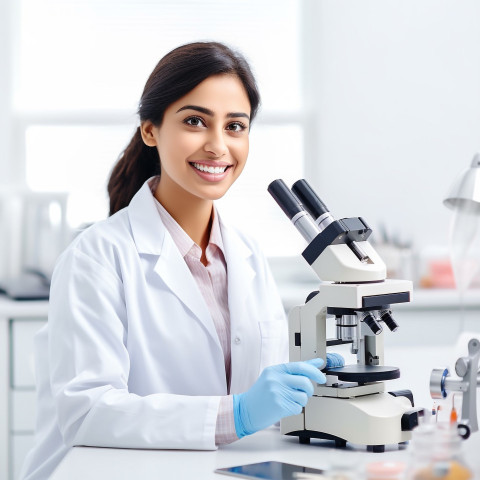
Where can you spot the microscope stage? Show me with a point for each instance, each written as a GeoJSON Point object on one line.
{"type": "Point", "coordinates": [364, 373]}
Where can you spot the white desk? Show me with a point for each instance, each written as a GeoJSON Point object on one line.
{"type": "Point", "coordinates": [118, 464]}
{"type": "Point", "coordinates": [104, 463]}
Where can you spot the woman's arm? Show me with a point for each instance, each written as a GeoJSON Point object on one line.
{"type": "Point", "coordinates": [90, 364]}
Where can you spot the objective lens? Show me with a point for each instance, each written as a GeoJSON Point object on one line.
{"type": "Point", "coordinates": [386, 316]}
{"type": "Point", "coordinates": [374, 326]}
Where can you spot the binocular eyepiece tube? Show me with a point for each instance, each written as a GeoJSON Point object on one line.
{"type": "Point", "coordinates": [313, 204]}
{"type": "Point", "coordinates": [307, 211]}
{"type": "Point", "coordinates": [293, 209]}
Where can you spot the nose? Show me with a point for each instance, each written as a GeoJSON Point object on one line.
{"type": "Point", "coordinates": [215, 143]}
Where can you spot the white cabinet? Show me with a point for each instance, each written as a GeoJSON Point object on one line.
{"type": "Point", "coordinates": [19, 322]}
{"type": "Point", "coordinates": [22, 390]}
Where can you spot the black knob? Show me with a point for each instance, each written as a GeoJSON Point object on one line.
{"type": "Point", "coordinates": [409, 420]}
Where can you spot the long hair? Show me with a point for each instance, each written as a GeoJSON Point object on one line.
{"type": "Point", "coordinates": [176, 74]}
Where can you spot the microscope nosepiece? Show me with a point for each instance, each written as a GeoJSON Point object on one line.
{"type": "Point", "coordinates": [386, 316]}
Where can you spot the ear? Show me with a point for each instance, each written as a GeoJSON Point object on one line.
{"type": "Point", "coordinates": [147, 129]}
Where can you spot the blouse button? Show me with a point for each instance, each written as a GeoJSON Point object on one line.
{"type": "Point", "coordinates": [237, 340]}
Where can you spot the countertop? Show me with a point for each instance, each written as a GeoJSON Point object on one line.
{"type": "Point", "coordinates": [105, 463]}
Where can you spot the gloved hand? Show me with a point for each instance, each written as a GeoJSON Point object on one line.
{"type": "Point", "coordinates": [280, 391]}
{"type": "Point", "coordinates": [335, 360]}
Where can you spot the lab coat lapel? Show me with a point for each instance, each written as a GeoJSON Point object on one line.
{"type": "Point", "coordinates": [173, 270]}
{"type": "Point", "coordinates": [243, 321]}
{"type": "Point", "coordinates": [151, 237]}
{"type": "Point", "coordinates": [240, 273]}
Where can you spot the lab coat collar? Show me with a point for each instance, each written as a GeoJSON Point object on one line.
{"type": "Point", "coordinates": [236, 252]}
{"type": "Point", "coordinates": [147, 228]}
{"type": "Point", "coordinates": [149, 231]}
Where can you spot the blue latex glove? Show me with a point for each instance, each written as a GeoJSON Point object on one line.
{"type": "Point", "coordinates": [334, 360]}
{"type": "Point", "coordinates": [280, 391]}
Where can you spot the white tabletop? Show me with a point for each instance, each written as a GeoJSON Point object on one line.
{"type": "Point", "coordinates": [105, 463]}
{"type": "Point", "coordinates": [119, 464]}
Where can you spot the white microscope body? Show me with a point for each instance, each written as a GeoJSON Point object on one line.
{"type": "Point", "coordinates": [353, 405]}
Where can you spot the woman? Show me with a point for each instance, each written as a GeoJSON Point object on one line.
{"type": "Point", "coordinates": [163, 316]}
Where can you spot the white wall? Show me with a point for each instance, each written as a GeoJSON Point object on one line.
{"type": "Point", "coordinates": [393, 93]}
{"type": "Point", "coordinates": [399, 109]}
{"type": "Point", "coordinates": [5, 95]}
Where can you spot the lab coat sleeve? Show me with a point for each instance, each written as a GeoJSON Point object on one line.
{"type": "Point", "coordinates": [89, 365]}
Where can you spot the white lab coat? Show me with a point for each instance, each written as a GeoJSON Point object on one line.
{"type": "Point", "coordinates": [130, 357]}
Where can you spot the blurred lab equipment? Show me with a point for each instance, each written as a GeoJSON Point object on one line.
{"type": "Point", "coordinates": [353, 406]}
{"type": "Point", "coordinates": [436, 453]}
{"type": "Point", "coordinates": [397, 253]}
{"type": "Point", "coordinates": [467, 383]}
{"type": "Point", "coordinates": [464, 199]}
{"type": "Point", "coordinates": [33, 232]}
{"type": "Point", "coordinates": [385, 471]}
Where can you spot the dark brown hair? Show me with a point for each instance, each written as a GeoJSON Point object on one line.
{"type": "Point", "coordinates": [176, 74]}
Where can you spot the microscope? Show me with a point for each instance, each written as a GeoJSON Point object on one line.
{"type": "Point", "coordinates": [353, 406]}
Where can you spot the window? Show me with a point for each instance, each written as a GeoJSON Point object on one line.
{"type": "Point", "coordinates": [79, 73]}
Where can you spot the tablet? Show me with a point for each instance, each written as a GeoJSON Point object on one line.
{"type": "Point", "coordinates": [267, 471]}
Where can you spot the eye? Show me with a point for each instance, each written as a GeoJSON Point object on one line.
{"type": "Point", "coordinates": [236, 127]}
{"type": "Point", "coordinates": [194, 121]}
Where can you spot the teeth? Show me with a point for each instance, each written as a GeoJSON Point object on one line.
{"type": "Point", "coordinates": [204, 168]}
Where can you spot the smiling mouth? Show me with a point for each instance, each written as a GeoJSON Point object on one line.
{"type": "Point", "coordinates": [210, 169]}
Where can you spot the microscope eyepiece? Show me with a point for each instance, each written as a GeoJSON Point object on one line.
{"type": "Point", "coordinates": [312, 203]}
{"type": "Point", "coordinates": [293, 209]}
{"type": "Point", "coordinates": [285, 198]}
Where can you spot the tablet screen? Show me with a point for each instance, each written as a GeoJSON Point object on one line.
{"type": "Point", "coordinates": [267, 471]}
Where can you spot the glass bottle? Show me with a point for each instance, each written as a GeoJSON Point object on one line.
{"type": "Point", "coordinates": [436, 453]}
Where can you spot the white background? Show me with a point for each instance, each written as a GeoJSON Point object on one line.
{"type": "Point", "coordinates": [375, 102]}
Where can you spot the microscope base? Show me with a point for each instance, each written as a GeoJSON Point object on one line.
{"type": "Point", "coordinates": [371, 420]}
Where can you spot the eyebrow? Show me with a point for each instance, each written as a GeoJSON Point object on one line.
{"type": "Point", "coordinates": [209, 112]}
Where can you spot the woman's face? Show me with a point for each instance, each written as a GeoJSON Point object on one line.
{"type": "Point", "coordinates": [203, 138]}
